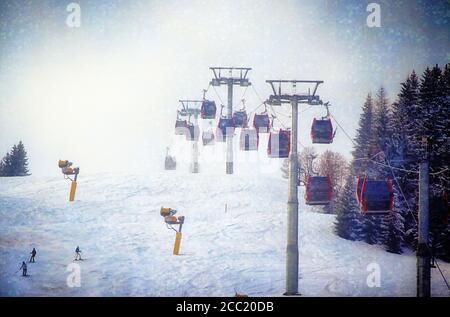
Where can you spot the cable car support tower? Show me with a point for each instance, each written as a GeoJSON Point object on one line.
{"type": "Point", "coordinates": [236, 76]}
{"type": "Point", "coordinates": [192, 111]}
{"type": "Point", "coordinates": [277, 99]}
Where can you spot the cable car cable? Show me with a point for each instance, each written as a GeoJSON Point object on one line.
{"type": "Point", "coordinates": [257, 95]}
{"type": "Point", "coordinates": [276, 117]}
{"type": "Point", "coordinates": [243, 94]}
{"type": "Point", "coordinates": [346, 134]}
{"type": "Point", "coordinates": [249, 113]}
{"type": "Point", "coordinates": [220, 99]}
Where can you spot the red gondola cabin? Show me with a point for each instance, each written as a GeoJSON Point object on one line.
{"type": "Point", "coordinates": [374, 196]}
{"type": "Point", "coordinates": [279, 144]}
{"type": "Point", "coordinates": [208, 138]}
{"type": "Point", "coordinates": [322, 131]}
{"type": "Point", "coordinates": [249, 140]}
{"type": "Point", "coordinates": [261, 122]}
{"type": "Point", "coordinates": [225, 128]}
{"type": "Point", "coordinates": [208, 110]}
{"type": "Point", "coordinates": [318, 190]}
{"type": "Point", "coordinates": [181, 127]}
{"type": "Point", "coordinates": [240, 119]}
{"type": "Point", "coordinates": [193, 132]}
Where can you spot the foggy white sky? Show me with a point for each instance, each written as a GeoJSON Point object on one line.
{"type": "Point", "coordinates": [105, 95]}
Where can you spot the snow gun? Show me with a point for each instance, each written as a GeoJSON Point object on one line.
{"type": "Point", "coordinates": [170, 219]}
{"type": "Point", "coordinates": [68, 171]}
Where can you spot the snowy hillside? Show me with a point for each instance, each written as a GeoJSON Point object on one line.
{"type": "Point", "coordinates": [115, 220]}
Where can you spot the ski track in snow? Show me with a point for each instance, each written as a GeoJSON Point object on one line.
{"type": "Point", "coordinates": [115, 220]}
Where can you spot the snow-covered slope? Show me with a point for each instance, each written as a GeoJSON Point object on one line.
{"type": "Point", "coordinates": [115, 220]}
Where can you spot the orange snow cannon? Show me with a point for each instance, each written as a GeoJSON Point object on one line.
{"type": "Point", "coordinates": [170, 219]}
{"type": "Point", "coordinates": [63, 163]}
{"type": "Point", "coordinates": [165, 212]}
{"type": "Point", "coordinates": [68, 171]}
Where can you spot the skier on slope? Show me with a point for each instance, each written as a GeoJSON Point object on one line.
{"type": "Point", "coordinates": [23, 268]}
{"type": "Point", "coordinates": [78, 254]}
{"type": "Point", "coordinates": [33, 254]}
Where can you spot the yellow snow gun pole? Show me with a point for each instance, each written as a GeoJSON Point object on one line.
{"type": "Point", "coordinates": [73, 189]}
{"type": "Point", "coordinates": [170, 219]}
{"type": "Point", "coordinates": [176, 247]}
{"type": "Point", "coordinates": [67, 170]}
{"type": "Point", "coordinates": [73, 186]}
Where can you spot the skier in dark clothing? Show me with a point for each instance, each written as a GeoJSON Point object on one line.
{"type": "Point", "coordinates": [78, 254]}
{"type": "Point", "coordinates": [23, 268]}
{"type": "Point", "coordinates": [33, 254]}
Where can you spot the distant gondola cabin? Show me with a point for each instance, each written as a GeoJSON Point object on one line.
{"type": "Point", "coordinates": [261, 122]}
{"type": "Point", "coordinates": [279, 144]}
{"type": "Point", "coordinates": [181, 127]}
{"type": "Point", "coordinates": [249, 140]}
{"type": "Point", "coordinates": [318, 190]}
{"type": "Point", "coordinates": [170, 163]}
{"type": "Point", "coordinates": [208, 109]}
{"type": "Point", "coordinates": [208, 138]}
{"type": "Point", "coordinates": [374, 196]}
{"type": "Point", "coordinates": [240, 119]}
{"type": "Point", "coordinates": [322, 131]}
{"type": "Point", "coordinates": [225, 128]}
{"type": "Point", "coordinates": [193, 132]}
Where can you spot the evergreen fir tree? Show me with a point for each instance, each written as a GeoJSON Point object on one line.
{"type": "Point", "coordinates": [7, 169]}
{"type": "Point", "coordinates": [394, 228]}
{"type": "Point", "coordinates": [363, 139]}
{"type": "Point", "coordinates": [378, 151]}
{"type": "Point", "coordinates": [382, 134]}
{"type": "Point", "coordinates": [433, 125]}
{"type": "Point", "coordinates": [404, 155]}
{"type": "Point", "coordinates": [15, 163]}
{"type": "Point", "coordinates": [19, 160]}
{"type": "Point", "coordinates": [348, 219]}
{"type": "Point", "coordinates": [348, 223]}
{"type": "Point", "coordinates": [440, 204]}
{"type": "Point", "coordinates": [370, 229]}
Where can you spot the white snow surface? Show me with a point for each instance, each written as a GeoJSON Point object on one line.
{"type": "Point", "coordinates": [128, 249]}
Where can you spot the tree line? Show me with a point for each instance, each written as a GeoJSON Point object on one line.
{"type": "Point", "coordinates": [393, 135]}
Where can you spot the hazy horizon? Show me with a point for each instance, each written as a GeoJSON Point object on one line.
{"type": "Point", "coordinates": [105, 95]}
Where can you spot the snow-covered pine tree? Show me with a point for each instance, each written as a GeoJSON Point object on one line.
{"type": "Point", "coordinates": [15, 163]}
{"type": "Point", "coordinates": [435, 101]}
{"type": "Point", "coordinates": [348, 221]}
{"type": "Point", "coordinates": [404, 156]}
{"type": "Point", "coordinates": [362, 166]}
{"type": "Point", "coordinates": [390, 228]}
{"type": "Point", "coordinates": [7, 165]}
{"type": "Point", "coordinates": [429, 118]}
{"type": "Point", "coordinates": [363, 138]}
{"type": "Point", "coordinates": [375, 227]}
{"type": "Point", "coordinates": [394, 227]}
{"type": "Point", "coordinates": [19, 160]}
{"type": "Point", "coordinates": [348, 218]}
{"type": "Point", "coordinates": [442, 237]}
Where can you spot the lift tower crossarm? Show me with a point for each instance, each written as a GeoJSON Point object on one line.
{"type": "Point", "coordinates": [190, 110]}
{"type": "Point", "coordinates": [279, 98]}
{"type": "Point", "coordinates": [235, 76]}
